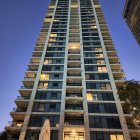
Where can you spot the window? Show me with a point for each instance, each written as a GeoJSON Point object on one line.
{"type": "Point", "coordinates": [58, 60]}
{"type": "Point", "coordinates": [44, 77]}
{"type": "Point", "coordinates": [74, 46]}
{"type": "Point", "coordinates": [41, 107]}
{"type": "Point", "coordinates": [104, 122]}
{"type": "Point", "coordinates": [102, 108]}
{"type": "Point", "coordinates": [106, 135]}
{"type": "Point", "coordinates": [99, 55]}
{"type": "Point", "coordinates": [105, 86]}
{"type": "Point", "coordinates": [54, 95]}
{"type": "Point", "coordinates": [103, 76]}
{"type": "Point", "coordinates": [55, 85]}
{"type": "Point", "coordinates": [56, 76]}
{"type": "Point", "coordinates": [57, 68]}
{"type": "Point", "coordinates": [89, 97]}
{"type": "Point", "coordinates": [102, 69]}
{"type": "Point", "coordinates": [116, 137]}
{"type": "Point", "coordinates": [100, 61]}
{"type": "Point", "coordinates": [43, 85]}
{"type": "Point", "coordinates": [52, 105]}
{"type": "Point", "coordinates": [47, 62]}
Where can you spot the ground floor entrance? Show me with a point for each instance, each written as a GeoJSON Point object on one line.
{"type": "Point", "coordinates": [72, 135]}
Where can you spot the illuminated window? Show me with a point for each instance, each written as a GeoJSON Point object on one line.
{"type": "Point", "coordinates": [44, 77]}
{"type": "Point", "coordinates": [120, 137]}
{"type": "Point", "coordinates": [113, 137]}
{"type": "Point", "coordinates": [52, 39]}
{"type": "Point", "coordinates": [45, 85]}
{"type": "Point", "coordinates": [102, 69]}
{"type": "Point", "coordinates": [99, 55]}
{"type": "Point", "coordinates": [100, 61]}
{"type": "Point", "coordinates": [94, 27]}
{"type": "Point", "coordinates": [98, 49]}
{"type": "Point", "coordinates": [89, 97]}
{"type": "Point", "coordinates": [19, 124]}
{"type": "Point", "coordinates": [53, 35]}
{"type": "Point", "coordinates": [116, 137]}
{"type": "Point", "coordinates": [74, 6]}
{"type": "Point", "coordinates": [105, 86]}
{"type": "Point", "coordinates": [47, 61]}
{"type": "Point", "coordinates": [74, 46]}
{"type": "Point", "coordinates": [52, 6]}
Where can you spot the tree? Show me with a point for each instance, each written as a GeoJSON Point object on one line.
{"type": "Point", "coordinates": [129, 94]}
{"type": "Point", "coordinates": [3, 135]}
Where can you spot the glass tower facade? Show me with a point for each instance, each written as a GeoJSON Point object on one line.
{"type": "Point", "coordinates": [131, 14]}
{"type": "Point", "coordinates": [72, 79]}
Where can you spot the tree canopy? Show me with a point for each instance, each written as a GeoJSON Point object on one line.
{"type": "Point", "coordinates": [129, 94]}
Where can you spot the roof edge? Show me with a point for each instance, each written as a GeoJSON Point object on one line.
{"type": "Point", "coordinates": [125, 8]}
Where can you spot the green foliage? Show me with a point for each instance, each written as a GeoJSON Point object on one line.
{"type": "Point", "coordinates": [129, 93]}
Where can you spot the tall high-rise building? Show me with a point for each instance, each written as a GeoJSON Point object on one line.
{"type": "Point", "coordinates": [72, 79]}
{"type": "Point", "coordinates": [132, 16]}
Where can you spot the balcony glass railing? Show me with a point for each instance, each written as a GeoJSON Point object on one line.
{"type": "Point", "coordinates": [117, 70]}
{"type": "Point", "coordinates": [74, 75]}
{"type": "Point", "coordinates": [74, 84]}
{"type": "Point", "coordinates": [74, 66]}
{"type": "Point", "coordinates": [74, 121]}
{"type": "Point", "coordinates": [72, 107]}
{"type": "Point", "coordinates": [73, 94]}
{"type": "Point", "coordinates": [16, 124]}
{"type": "Point", "coordinates": [23, 87]}
{"type": "Point", "coordinates": [18, 110]}
{"type": "Point", "coordinates": [23, 98]}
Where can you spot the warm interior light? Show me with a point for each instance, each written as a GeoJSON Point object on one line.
{"type": "Point", "coordinates": [89, 97]}
{"type": "Point", "coordinates": [74, 46]}
{"type": "Point", "coordinates": [74, 6]}
{"type": "Point", "coordinates": [53, 35]}
{"type": "Point", "coordinates": [44, 77]}
{"type": "Point", "coordinates": [46, 61]}
{"type": "Point", "coordinates": [45, 85]}
{"type": "Point", "coordinates": [113, 137]}
{"type": "Point", "coordinates": [19, 124]}
{"type": "Point", "coordinates": [120, 137]}
{"type": "Point", "coordinates": [52, 39]}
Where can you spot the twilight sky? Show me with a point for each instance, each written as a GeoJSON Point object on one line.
{"type": "Point", "coordinates": [20, 23]}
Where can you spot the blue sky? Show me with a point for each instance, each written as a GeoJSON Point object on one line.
{"type": "Point", "coordinates": [20, 24]}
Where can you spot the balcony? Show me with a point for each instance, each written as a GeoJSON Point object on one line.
{"type": "Point", "coordinates": [22, 102]}
{"type": "Point", "coordinates": [75, 58]}
{"type": "Point", "coordinates": [73, 75]}
{"type": "Point", "coordinates": [18, 115]}
{"type": "Point", "coordinates": [33, 66]}
{"type": "Point", "coordinates": [74, 65]}
{"type": "Point", "coordinates": [73, 95]}
{"type": "Point", "coordinates": [74, 104]}
{"type": "Point", "coordinates": [29, 82]}
{"type": "Point", "coordinates": [74, 119]}
{"type": "Point", "coordinates": [19, 110]}
{"type": "Point", "coordinates": [35, 60]}
{"type": "Point", "coordinates": [14, 127]}
{"type": "Point", "coordinates": [74, 82]}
